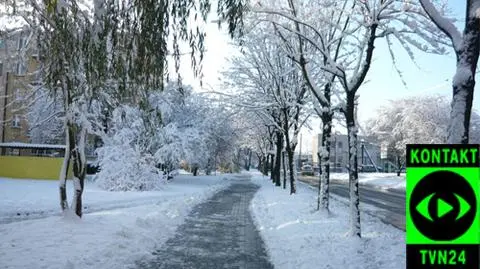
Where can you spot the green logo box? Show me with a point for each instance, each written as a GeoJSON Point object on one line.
{"type": "Point", "coordinates": [443, 206]}
{"type": "Point", "coordinates": [414, 176]}
{"type": "Point", "coordinates": [442, 194]}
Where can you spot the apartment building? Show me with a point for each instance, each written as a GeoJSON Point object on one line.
{"type": "Point", "coordinates": [369, 152]}
{"type": "Point", "coordinates": [18, 63]}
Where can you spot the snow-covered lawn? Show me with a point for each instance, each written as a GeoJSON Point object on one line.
{"type": "Point", "coordinates": [297, 236]}
{"type": "Point", "coordinates": [113, 238]}
{"type": "Point", "coordinates": [378, 180]}
{"type": "Point", "coordinates": [29, 198]}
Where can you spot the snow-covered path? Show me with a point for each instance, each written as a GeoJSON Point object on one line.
{"type": "Point", "coordinates": [218, 233]}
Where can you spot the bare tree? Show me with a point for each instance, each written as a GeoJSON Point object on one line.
{"type": "Point", "coordinates": [346, 41]}
{"type": "Point", "coordinates": [275, 88]}
{"type": "Point", "coordinates": [467, 48]}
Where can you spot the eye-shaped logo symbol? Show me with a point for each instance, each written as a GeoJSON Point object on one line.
{"type": "Point", "coordinates": [442, 206]}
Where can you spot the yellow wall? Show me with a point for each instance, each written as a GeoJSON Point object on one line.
{"type": "Point", "coordinates": [31, 167]}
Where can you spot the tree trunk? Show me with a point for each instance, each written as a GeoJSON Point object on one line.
{"type": "Point", "coordinates": [249, 159]}
{"type": "Point", "coordinates": [320, 172]}
{"type": "Point", "coordinates": [245, 160]}
{"type": "Point", "coordinates": [355, 229]}
{"type": "Point", "coordinates": [264, 166]}
{"type": "Point", "coordinates": [278, 159]}
{"type": "Point", "coordinates": [323, 199]}
{"type": "Point", "coordinates": [62, 184]}
{"type": "Point", "coordinates": [467, 52]}
{"type": "Point", "coordinates": [293, 170]}
{"type": "Point", "coordinates": [284, 171]}
{"type": "Point", "coordinates": [79, 166]}
{"type": "Point", "coordinates": [260, 162]}
{"type": "Point", "coordinates": [399, 165]}
{"type": "Point", "coordinates": [290, 145]}
{"type": "Point", "coordinates": [195, 171]}
{"type": "Point", "coordinates": [464, 83]}
{"type": "Point", "coordinates": [271, 167]}
{"type": "Point", "coordinates": [208, 171]}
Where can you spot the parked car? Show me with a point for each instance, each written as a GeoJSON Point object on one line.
{"type": "Point", "coordinates": [307, 170]}
{"type": "Point", "coordinates": [368, 169]}
{"type": "Point", "coordinates": [92, 168]}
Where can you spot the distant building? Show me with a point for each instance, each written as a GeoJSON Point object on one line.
{"type": "Point", "coordinates": [16, 80]}
{"type": "Point", "coordinates": [368, 152]}
{"type": "Point", "coordinates": [315, 151]}
{"type": "Point", "coordinates": [304, 159]}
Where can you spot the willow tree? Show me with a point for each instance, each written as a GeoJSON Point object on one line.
{"type": "Point", "coordinates": [114, 50]}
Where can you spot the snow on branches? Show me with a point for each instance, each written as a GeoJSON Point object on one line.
{"type": "Point", "coordinates": [416, 119]}
{"type": "Point", "coordinates": [125, 163]}
{"type": "Point", "coordinates": [143, 145]}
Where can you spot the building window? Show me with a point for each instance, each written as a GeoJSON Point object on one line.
{"type": "Point", "coordinates": [20, 68]}
{"type": "Point", "coordinates": [16, 121]}
{"type": "Point", "coordinates": [13, 152]}
{"type": "Point", "coordinates": [1, 69]}
{"type": "Point", "coordinates": [21, 43]}
{"type": "Point", "coordinates": [39, 152]}
{"type": "Point", "coordinates": [34, 52]}
{"type": "Point", "coordinates": [340, 144]}
{"type": "Point", "coordinates": [18, 95]}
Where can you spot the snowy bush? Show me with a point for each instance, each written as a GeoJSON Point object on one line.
{"type": "Point", "coordinates": [143, 145]}
{"type": "Point", "coordinates": [125, 168]}
{"type": "Point", "coordinates": [125, 164]}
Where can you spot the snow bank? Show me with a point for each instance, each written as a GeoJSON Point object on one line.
{"type": "Point", "coordinates": [103, 239]}
{"type": "Point", "coordinates": [378, 180]}
{"type": "Point", "coordinates": [183, 172]}
{"type": "Point", "coordinates": [297, 236]}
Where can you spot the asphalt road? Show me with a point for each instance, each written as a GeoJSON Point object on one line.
{"type": "Point", "coordinates": [388, 205]}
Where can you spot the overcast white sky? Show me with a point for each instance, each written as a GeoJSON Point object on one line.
{"type": "Point", "coordinates": [431, 75]}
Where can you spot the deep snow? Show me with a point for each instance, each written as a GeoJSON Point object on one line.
{"type": "Point", "coordinates": [103, 239]}
{"type": "Point", "coordinates": [298, 237]}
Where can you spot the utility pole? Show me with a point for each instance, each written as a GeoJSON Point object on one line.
{"type": "Point", "coordinates": [335, 150]}
{"type": "Point", "coordinates": [363, 152]}
{"type": "Point", "coordinates": [300, 153]}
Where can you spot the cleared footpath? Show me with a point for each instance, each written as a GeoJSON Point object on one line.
{"type": "Point", "coordinates": [219, 233]}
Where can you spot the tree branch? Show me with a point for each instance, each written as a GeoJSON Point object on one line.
{"type": "Point", "coordinates": [443, 24]}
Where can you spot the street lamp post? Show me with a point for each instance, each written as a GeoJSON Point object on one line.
{"type": "Point", "coordinates": [335, 150]}
{"type": "Point", "coordinates": [363, 151]}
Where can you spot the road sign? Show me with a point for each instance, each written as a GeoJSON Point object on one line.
{"type": "Point", "coordinates": [443, 216]}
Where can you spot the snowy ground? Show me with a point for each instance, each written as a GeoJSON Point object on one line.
{"type": "Point", "coordinates": [106, 238]}
{"type": "Point", "coordinates": [378, 180]}
{"type": "Point", "coordinates": [299, 237]}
